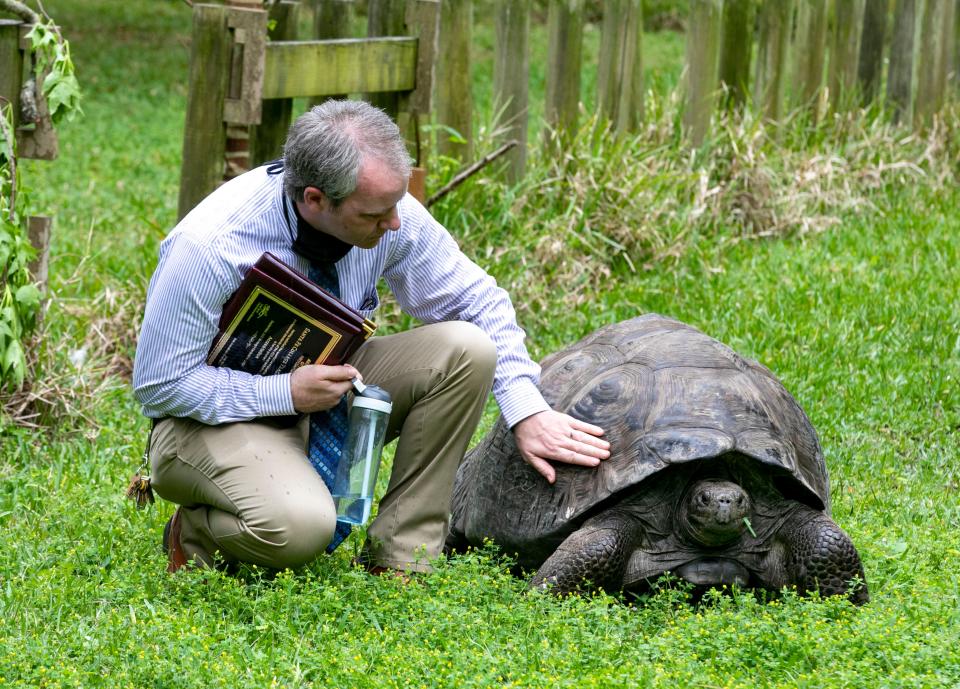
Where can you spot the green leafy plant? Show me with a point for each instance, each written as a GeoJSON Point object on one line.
{"type": "Point", "coordinates": [53, 67]}
{"type": "Point", "coordinates": [51, 55]}
{"type": "Point", "coordinates": [19, 297]}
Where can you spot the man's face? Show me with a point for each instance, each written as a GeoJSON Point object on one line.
{"type": "Point", "coordinates": [364, 216]}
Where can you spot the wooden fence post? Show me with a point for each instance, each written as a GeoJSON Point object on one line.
{"type": "Point", "coordinates": [243, 106]}
{"type": "Point", "coordinates": [955, 60]}
{"type": "Point", "coordinates": [900, 74]}
{"type": "Point", "coordinates": [956, 44]}
{"type": "Point", "coordinates": [809, 49]}
{"type": "Point", "coordinates": [204, 135]}
{"type": "Point", "coordinates": [332, 19]}
{"type": "Point", "coordinates": [735, 48]}
{"type": "Point", "coordinates": [950, 39]}
{"type": "Point", "coordinates": [775, 19]}
{"type": "Point", "coordinates": [11, 81]}
{"type": "Point", "coordinates": [937, 35]}
{"type": "Point", "coordinates": [844, 52]}
{"type": "Point", "coordinates": [11, 59]}
{"type": "Point", "coordinates": [454, 98]}
{"type": "Point", "coordinates": [702, 56]}
{"type": "Point", "coordinates": [871, 49]}
{"type": "Point", "coordinates": [35, 139]}
{"type": "Point", "coordinates": [931, 67]}
{"type": "Point", "coordinates": [38, 230]}
{"type": "Point", "coordinates": [510, 80]}
{"type": "Point", "coordinates": [268, 137]}
{"type": "Point", "coordinates": [564, 63]}
{"type": "Point", "coordinates": [620, 78]}
{"type": "Point", "coordinates": [386, 18]}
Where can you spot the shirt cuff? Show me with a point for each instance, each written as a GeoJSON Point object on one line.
{"type": "Point", "coordinates": [519, 402]}
{"type": "Point", "coordinates": [274, 396]}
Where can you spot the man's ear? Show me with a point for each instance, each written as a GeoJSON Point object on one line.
{"type": "Point", "coordinates": [315, 200]}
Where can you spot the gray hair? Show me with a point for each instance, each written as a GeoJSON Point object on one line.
{"type": "Point", "coordinates": [327, 145]}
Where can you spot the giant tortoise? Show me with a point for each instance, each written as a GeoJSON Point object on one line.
{"type": "Point", "coordinates": [715, 475]}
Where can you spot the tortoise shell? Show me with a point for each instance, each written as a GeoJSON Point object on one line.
{"type": "Point", "coordinates": [665, 394]}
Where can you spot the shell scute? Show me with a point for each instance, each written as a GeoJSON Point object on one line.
{"type": "Point", "coordinates": [676, 445]}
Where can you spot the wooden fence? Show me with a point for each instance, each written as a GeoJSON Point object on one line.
{"type": "Point", "coordinates": [35, 136]}
{"type": "Point", "coordinates": [241, 86]}
{"type": "Point", "coordinates": [774, 56]}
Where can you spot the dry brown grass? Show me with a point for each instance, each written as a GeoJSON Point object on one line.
{"type": "Point", "coordinates": [63, 379]}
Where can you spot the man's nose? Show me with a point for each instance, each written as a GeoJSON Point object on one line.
{"type": "Point", "coordinates": [392, 222]}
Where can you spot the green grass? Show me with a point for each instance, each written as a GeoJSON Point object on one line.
{"type": "Point", "coordinates": [859, 320]}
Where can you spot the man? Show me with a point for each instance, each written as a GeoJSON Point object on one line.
{"type": "Point", "coordinates": [228, 447]}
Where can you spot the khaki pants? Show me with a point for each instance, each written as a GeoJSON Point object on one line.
{"type": "Point", "coordinates": [249, 494]}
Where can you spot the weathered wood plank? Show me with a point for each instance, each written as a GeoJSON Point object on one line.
{"type": "Point", "coordinates": [955, 63]}
{"type": "Point", "coordinates": [290, 69]}
{"type": "Point", "coordinates": [244, 92]}
{"type": "Point", "coordinates": [620, 74]}
{"type": "Point", "coordinates": [936, 37]}
{"type": "Point", "coordinates": [510, 80]}
{"type": "Point", "coordinates": [36, 139]}
{"type": "Point", "coordinates": [564, 58]}
{"type": "Point", "coordinates": [949, 38]}
{"type": "Point", "coordinates": [772, 53]}
{"type": "Point", "coordinates": [703, 56]}
{"type": "Point", "coordinates": [845, 52]}
{"type": "Point", "coordinates": [332, 19]}
{"type": "Point", "coordinates": [454, 96]}
{"type": "Point", "coordinates": [900, 74]}
{"type": "Point", "coordinates": [929, 95]}
{"type": "Point", "coordinates": [423, 24]}
{"type": "Point", "coordinates": [386, 18]}
{"type": "Point", "coordinates": [735, 46]}
{"type": "Point", "coordinates": [204, 132]}
{"type": "Point", "coordinates": [871, 49]}
{"type": "Point", "coordinates": [267, 138]}
{"type": "Point", "coordinates": [809, 53]}
{"type": "Point", "coordinates": [11, 65]}
{"type": "Point", "coordinates": [38, 231]}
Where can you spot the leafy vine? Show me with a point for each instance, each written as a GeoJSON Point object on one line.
{"type": "Point", "coordinates": [20, 298]}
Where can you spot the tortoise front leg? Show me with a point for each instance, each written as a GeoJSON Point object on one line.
{"type": "Point", "coordinates": [821, 557]}
{"type": "Point", "coordinates": [598, 553]}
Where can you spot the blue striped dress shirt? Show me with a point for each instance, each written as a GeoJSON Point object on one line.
{"type": "Point", "coordinates": [204, 258]}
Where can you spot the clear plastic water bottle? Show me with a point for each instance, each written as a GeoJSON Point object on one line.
{"type": "Point", "coordinates": [360, 460]}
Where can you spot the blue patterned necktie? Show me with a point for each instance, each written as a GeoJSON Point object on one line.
{"type": "Point", "coordinates": [328, 429]}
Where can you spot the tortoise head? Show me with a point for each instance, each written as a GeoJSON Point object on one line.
{"type": "Point", "coordinates": [714, 512]}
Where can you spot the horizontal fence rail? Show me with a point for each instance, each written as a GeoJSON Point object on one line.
{"type": "Point", "coordinates": [362, 65]}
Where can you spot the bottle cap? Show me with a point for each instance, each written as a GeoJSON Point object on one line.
{"type": "Point", "coordinates": [373, 397]}
{"type": "Point", "coordinates": [370, 403]}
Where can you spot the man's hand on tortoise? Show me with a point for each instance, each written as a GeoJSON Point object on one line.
{"type": "Point", "coordinates": [552, 435]}
{"type": "Point", "coordinates": [318, 387]}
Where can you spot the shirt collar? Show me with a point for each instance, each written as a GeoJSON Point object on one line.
{"type": "Point", "coordinates": [317, 246]}
{"type": "Point", "coordinates": [309, 242]}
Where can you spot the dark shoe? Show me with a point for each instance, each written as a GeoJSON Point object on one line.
{"type": "Point", "coordinates": [172, 546]}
